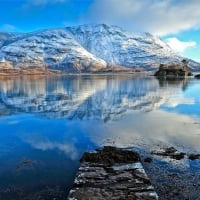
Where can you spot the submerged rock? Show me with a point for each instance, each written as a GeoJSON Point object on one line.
{"type": "Point", "coordinates": [148, 160]}
{"type": "Point", "coordinates": [197, 76]}
{"type": "Point", "coordinates": [112, 173]}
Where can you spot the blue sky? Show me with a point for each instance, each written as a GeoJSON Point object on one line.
{"type": "Point", "coordinates": [175, 21]}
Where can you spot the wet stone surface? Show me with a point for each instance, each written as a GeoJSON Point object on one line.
{"type": "Point", "coordinates": [171, 152]}
{"type": "Point", "coordinates": [111, 173]}
{"type": "Point", "coordinates": [174, 173]}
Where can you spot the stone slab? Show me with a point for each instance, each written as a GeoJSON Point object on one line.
{"type": "Point", "coordinates": [112, 174]}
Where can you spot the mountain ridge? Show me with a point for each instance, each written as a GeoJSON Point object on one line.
{"type": "Point", "coordinates": [87, 48]}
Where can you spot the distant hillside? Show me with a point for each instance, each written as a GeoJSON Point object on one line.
{"type": "Point", "coordinates": [87, 48]}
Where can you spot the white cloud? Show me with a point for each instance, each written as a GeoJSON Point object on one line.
{"type": "Point", "coordinates": [180, 46]}
{"type": "Point", "coordinates": [158, 128]}
{"type": "Point", "coordinates": [178, 100]}
{"type": "Point", "coordinates": [158, 17]}
{"type": "Point", "coordinates": [45, 144]}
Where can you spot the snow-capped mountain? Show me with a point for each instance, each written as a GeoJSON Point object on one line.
{"type": "Point", "coordinates": [7, 38]}
{"type": "Point", "coordinates": [86, 48]}
{"type": "Point", "coordinates": [118, 47]}
{"type": "Point", "coordinates": [55, 48]}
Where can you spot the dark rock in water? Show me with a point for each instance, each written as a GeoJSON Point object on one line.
{"type": "Point", "coordinates": [111, 174]}
{"type": "Point", "coordinates": [148, 160]}
{"type": "Point", "coordinates": [110, 155]}
{"type": "Point", "coordinates": [174, 70]}
{"type": "Point", "coordinates": [178, 156]}
{"type": "Point", "coordinates": [194, 156]}
{"type": "Point", "coordinates": [171, 152]}
{"type": "Point", "coordinates": [197, 76]}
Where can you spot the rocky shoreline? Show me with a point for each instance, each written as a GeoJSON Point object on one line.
{"type": "Point", "coordinates": [174, 173]}
{"type": "Point", "coordinates": [112, 173]}
{"type": "Point", "coordinates": [27, 71]}
{"type": "Point", "coordinates": [105, 174]}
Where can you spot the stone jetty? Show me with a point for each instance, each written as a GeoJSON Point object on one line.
{"type": "Point", "coordinates": [112, 174]}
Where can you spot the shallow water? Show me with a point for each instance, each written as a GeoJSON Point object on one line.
{"type": "Point", "coordinates": [47, 123]}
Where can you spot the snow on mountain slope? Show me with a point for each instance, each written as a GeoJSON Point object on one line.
{"type": "Point", "coordinates": [88, 48]}
{"type": "Point", "coordinates": [118, 47]}
{"type": "Point", "coordinates": [55, 48]}
{"type": "Point", "coordinates": [7, 38]}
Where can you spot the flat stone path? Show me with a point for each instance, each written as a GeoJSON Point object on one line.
{"type": "Point", "coordinates": [112, 174]}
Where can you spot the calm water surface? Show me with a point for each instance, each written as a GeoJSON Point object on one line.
{"type": "Point", "coordinates": [47, 123]}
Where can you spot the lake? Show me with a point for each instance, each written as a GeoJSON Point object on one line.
{"type": "Point", "coordinates": [46, 123]}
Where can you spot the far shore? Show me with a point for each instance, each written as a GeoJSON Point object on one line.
{"type": "Point", "coordinates": [45, 72]}
{"type": "Point", "coordinates": [10, 72]}
{"type": "Point", "coordinates": [27, 71]}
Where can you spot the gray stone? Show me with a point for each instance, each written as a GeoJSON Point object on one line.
{"type": "Point", "coordinates": [115, 178]}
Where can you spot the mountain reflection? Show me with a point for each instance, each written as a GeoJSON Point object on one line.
{"type": "Point", "coordinates": [86, 97]}
{"type": "Point", "coordinates": [182, 82]}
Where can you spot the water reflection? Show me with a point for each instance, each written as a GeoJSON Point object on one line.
{"type": "Point", "coordinates": [102, 98]}
{"type": "Point", "coordinates": [181, 82]}
{"type": "Point", "coordinates": [100, 106]}
{"type": "Point", "coordinates": [47, 123]}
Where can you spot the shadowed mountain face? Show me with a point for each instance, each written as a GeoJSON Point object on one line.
{"type": "Point", "coordinates": [104, 98]}
{"type": "Point", "coordinates": [87, 48]}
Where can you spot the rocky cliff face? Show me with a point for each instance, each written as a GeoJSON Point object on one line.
{"type": "Point", "coordinates": [86, 48]}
